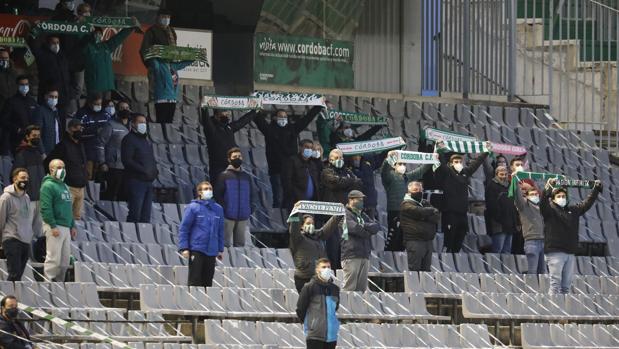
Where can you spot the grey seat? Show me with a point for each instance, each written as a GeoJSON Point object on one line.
{"type": "Point", "coordinates": [536, 336]}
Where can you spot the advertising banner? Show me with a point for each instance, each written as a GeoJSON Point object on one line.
{"type": "Point", "coordinates": [303, 61]}
{"type": "Point", "coordinates": [197, 39]}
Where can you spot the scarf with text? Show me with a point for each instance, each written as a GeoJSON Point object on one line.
{"type": "Point", "coordinates": [290, 98]}
{"type": "Point", "coordinates": [414, 157]}
{"type": "Point", "coordinates": [231, 102]}
{"type": "Point", "coordinates": [378, 145]}
{"type": "Point", "coordinates": [354, 118]}
{"type": "Point", "coordinates": [176, 54]}
{"type": "Point", "coordinates": [536, 176]}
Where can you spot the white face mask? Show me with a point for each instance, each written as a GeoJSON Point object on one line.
{"type": "Point", "coordinates": [338, 163]}
{"type": "Point", "coordinates": [458, 167]}
{"type": "Point", "coordinates": [308, 229]}
{"type": "Point", "coordinates": [316, 154]}
{"type": "Point", "coordinates": [141, 128]}
{"type": "Point", "coordinates": [96, 108]}
{"type": "Point", "coordinates": [206, 195]}
{"type": "Point", "coordinates": [401, 169]}
{"type": "Point", "coordinates": [70, 5]}
{"type": "Point", "coordinates": [348, 132]}
{"type": "Point", "coordinates": [164, 21]}
{"type": "Point", "coordinates": [561, 202]}
{"type": "Point", "coordinates": [534, 199]}
{"type": "Point", "coordinates": [110, 110]}
{"type": "Point", "coordinates": [326, 274]}
{"type": "Point", "coordinates": [54, 48]}
{"type": "Point", "coordinates": [519, 169]}
{"type": "Point", "coordinates": [282, 122]}
{"type": "Point", "coordinates": [52, 102]}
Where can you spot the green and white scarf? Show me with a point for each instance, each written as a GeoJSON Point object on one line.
{"type": "Point", "coordinates": [290, 98]}
{"type": "Point", "coordinates": [114, 22]}
{"type": "Point", "coordinates": [11, 41]}
{"type": "Point", "coordinates": [60, 27]}
{"type": "Point", "coordinates": [436, 135]}
{"type": "Point", "coordinates": [414, 157]}
{"type": "Point", "coordinates": [320, 208]}
{"type": "Point", "coordinates": [467, 147]}
{"type": "Point", "coordinates": [176, 53]}
{"type": "Point", "coordinates": [379, 145]}
{"type": "Point", "coordinates": [575, 183]}
{"type": "Point", "coordinates": [354, 118]}
{"type": "Point", "coordinates": [231, 102]}
{"type": "Point", "coordinates": [536, 176]}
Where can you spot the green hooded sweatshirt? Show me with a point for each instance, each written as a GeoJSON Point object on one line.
{"type": "Point", "coordinates": [56, 203]}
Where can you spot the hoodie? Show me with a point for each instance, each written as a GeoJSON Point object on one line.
{"type": "Point", "coordinates": [56, 203]}
{"type": "Point", "coordinates": [15, 220]}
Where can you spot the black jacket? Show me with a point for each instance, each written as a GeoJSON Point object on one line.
{"type": "Point", "coordinates": [501, 213]}
{"type": "Point", "coordinates": [69, 43]}
{"type": "Point", "coordinates": [53, 71]}
{"type": "Point", "coordinates": [31, 159]}
{"type": "Point", "coordinates": [337, 137]}
{"type": "Point", "coordinates": [456, 185]}
{"type": "Point", "coordinates": [92, 122]}
{"type": "Point", "coordinates": [17, 328]}
{"type": "Point", "coordinates": [306, 249]}
{"type": "Point", "coordinates": [157, 35]}
{"type": "Point", "coordinates": [360, 228]}
{"type": "Point", "coordinates": [138, 158]}
{"type": "Point", "coordinates": [7, 83]}
{"type": "Point", "coordinates": [561, 224]}
{"type": "Point", "coordinates": [335, 183]}
{"type": "Point", "coordinates": [220, 138]}
{"type": "Point", "coordinates": [17, 113]}
{"type": "Point", "coordinates": [281, 142]}
{"type": "Point", "coordinates": [418, 220]}
{"type": "Point", "coordinates": [109, 141]}
{"type": "Point", "coordinates": [295, 172]}
{"type": "Point", "coordinates": [74, 157]}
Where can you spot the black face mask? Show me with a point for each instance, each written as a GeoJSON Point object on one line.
{"type": "Point", "coordinates": [22, 185]}
{"type": "Point", "coordinates": [417, 196]}
{"type": "Point", "coordinates": [236, 163]}
{"type": "Point", "coordinates": [224, 120]}
{"type": "Point", "coordinates": [11, 313]}
{"type": "Point", "coordinates": [35, 142]}
{"type": "Point", "coordinates": [77, 135]}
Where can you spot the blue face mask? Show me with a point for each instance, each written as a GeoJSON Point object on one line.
{"type": "Point", "coordinates": [307, 153]}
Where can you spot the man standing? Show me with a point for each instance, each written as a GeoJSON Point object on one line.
{"type": "Point", "coordinates": [17, 113]}
{"type": "Point", "coordinates": [418, 221]}
{"type": "Point", "coordinates": [233, 191]}
{"type": "Point", "coordinates": [532, 229]}
{"type": "Point", "coordinates": [53, 67]}
{"type": "Point", "coordinates": [281, 143]}
{"type": "Point", "coordinates": [500, 212]}
{"type": "Point", "coordinates": [454, 178]}
{"type": "Point", "coordinates": [395, 178]}
{"type": "Point", "coordinates": [93, 117]}
{"type": "Point", "coordinates": [13, 333]}
{"type": "Point", "coordinates": [219, 130]}
{"type": "Point", "coordinates": [356, 244]}
{"type": "Point", "coordinates": [301, 176]}
{"type": "Point", "coordinates": [201, 236]}
{"type": "Point", "coordinates": [561, 222]}
{"type": "Point", "coordinates": [58, 223]}
{"type": "Point", "coordinates": [109, 142]}
{"type": "Point", "coordinates": [7, 76]}
{"type": "Point", "coordinates": [161, 33]}
{"type": "Point", "coordinates": [140, 170]}
{"type": "Point", "coordinates": [16, 224]}
{"type": "Point", "coordinates": [71, 151]}
{"type": "Point", "coordinates": [50, 120]}
{"type": "Point", "coordinates": [317, 307]}
{"type": "Point", "coordinates": [363, 167]}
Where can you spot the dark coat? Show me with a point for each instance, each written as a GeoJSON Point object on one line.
{"type": "Point", "coordinates": [418, 220]}
{"type": "Point", "coordinates": [74, 157]}
{"type": "Point", "coordinates": [233, 191]}
{"type": "Point", "coordinates": [335, 183]}
{"type": "Point", "coordinates": [305, 249]}
{"type": "Point", "coordinates": [52, 126]}
{"type": "Point", "coordinates": [369, 164]}
{"type": "Point", "coordinates": [337, 137]}
{"type": "Point", "coordinates": [138, 158]}
{"type": "Point", "coordinates": [500, 209]}
{"type": "Point", "coordinates": [281, 142]}
{"type": "Point", "coordinates": [295, 178]}
{"type": "Point", "coordinates": [92, 121]}
{"type": "Point", "coordinates": [53, 71]}
{"type": "Point", "coordinates": [157, 35]}
{"type": "Point", "coordinates": [7, 83]}
{"type": "Point", "coordinates": [31, 159]}
{"type": "Point", "coordinates": [456, 185]}
{"type": "Point", "coordinates": [360, 229]}
{"type": "Point", "coordinates": [17, 113]}
{"type": "Point", "coordinates": [14, 327]}
{"type": "Point", "coordinates": [561, 223]}
{"type": "Point", "coordinates": [110, 137]}
{"type": "Point", "coordinates": [69, 43]}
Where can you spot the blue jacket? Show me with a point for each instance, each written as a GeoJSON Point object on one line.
{"type": "Point", "coordinates": [202, 228]}
{"type": "Point", "coordinates": [52, 126]}
{"type": "Point", "coordinates": [138, 158]}
{"type": "Point", "coordinates": [165, 87]}
{"type": "Point", "coordinates": [233, 192]}
{"type": "Point", "coordinates": [92, 122]}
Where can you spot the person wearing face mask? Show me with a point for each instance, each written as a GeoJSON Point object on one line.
{"type": "Point", "coordinates": [489, 166]}
{"type": "Point", "coordinates": [517, 165]}
{"type": "Point", "coordinates": [72, 152]}
{"type": "Point", "coordinates": [17, 224]}
{"type": "Point", "coordinates": [532, 223]}
{"type": "Point", "coordinates": [97, 55]}
{"type": "Point", "coordinates": [201, 236]}
{"type": "Point", "coordinates": [138, 160]}
{"type": "Point", "coordinates": [234, 191]}
{"type": "Point", "coordinates": [317, 155]}
{"type": "Point", "coordinates": [160, 33]}
{"type": "Point", "coordinates": [345, 133]}
{"type": "Point", "coordinates": [281, 137]}
{"type": "Point", "coordinates": [501, 214]}
{"type": "Point", "coordinates": [219, 130]}
{"type": "Point", "coordinates": [93, 118]}
{"type": "Point", "coordinates": [301, 176]}
{"type": "Point", "coordinates": [364, 166]}
{"type": "Point", "coordinates": [50, 119]}
{"type": "Point", "coordinates": [561, 224]}
{"type": "Point", "coordinates": [13, 333]}
{"type": "Point", "coordinates": [7, 76]}
{"type": "Point", "coordinates": [454, 179]}
{"type": "Point", "coordinates": [418, 221]}
{"type": "Point", "coordinates": [109, 140]}
{"type": "Point", "coordinates": [356, 244]}
{"type": "Point", "coordinates": [53, 70]}
{"type": "Point", "coordinates": [395, 178]}
{"type": "Point", "coordinates": [317, 308]}
{"type": "Point", "coordinates": [307, 245]}
{"type": "Point", "coordinates": [58, 222]}
{"type": "Point", "coordinates": [17, 113]}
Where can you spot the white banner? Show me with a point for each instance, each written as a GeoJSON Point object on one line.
{"type": "Point", "coordinates": [415, 157]}
{"type": "Point", "coordinates": [290, 98]}
{"type": "Point", "coordinates": [231, 102]}
{"type": "Point", "coordinates": [354, 148]}
{"type": "Point", "coordinates": [197, 39]}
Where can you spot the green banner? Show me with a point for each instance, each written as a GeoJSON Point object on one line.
{"type": "Point", "coordinates": [303, 61]}
{"type": "Point", "coordinates": [114, 22]}
{"type": "Point", "coordinates": [176, 53]}
{"type": "Point", "coordinates": [355, 118]}
{"type": "Point", "coordinates": [11, 41]}
{"type": "Point", "coordinates": [58, 27]}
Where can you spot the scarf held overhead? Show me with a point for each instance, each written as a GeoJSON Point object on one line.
{"type": "Point", "coordinates": [536, 176]}
{"type": "Point", "coordinates": [114, 22]}
{"type": "Point", "coordinates": [231, 102]}
{"type": "Point", "coordinates": [379, 145]}
{"type": "Point", "coordinates": [290, 98]}
{"type": "Point", "coordinates": [176, 54]}
{"type": "Point", "coordinates": [414, 157]}
{"type": "Point", "coordinates": [354, 118]}
{"type": "Point", "coordinates": [59, 27]}
{"type": "Point", "coordinates": [467, 147]}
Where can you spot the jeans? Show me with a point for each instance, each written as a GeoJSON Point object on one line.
{"type": "Point", "coordinates": [534, 250]}
{"type": "Point", "coordinates": [501, 243]}
{"type": "Point", "coordinates": [276, 187]}
{"type": "Point", "coordinates": [17, 253]}
{"type": "Point", "coordinates": [561, 267]}
{"type": "Point", "coordinates": [140, 200]}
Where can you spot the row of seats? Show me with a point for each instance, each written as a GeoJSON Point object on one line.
{"type": "Point", "coordinates": [356, 335]}
{"type": "Point", "coordinates": [449, 285]}
{"type": "Point", "coordinates": [540, 306]}
{"type": "Point", "coordinates": [49, 295]}
{"type": "Point", "coordinates": [537, 336]}
{"type": "Point", "coordinates": [277, 303]}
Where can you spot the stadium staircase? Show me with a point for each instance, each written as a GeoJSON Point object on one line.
{"type": "Point", "coordinates": [128, 281]}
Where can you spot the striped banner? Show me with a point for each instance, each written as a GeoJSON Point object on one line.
{"type": "Point", "coordinates": [73, 326]}
{"type": "Point", "coordinates": [467, 147]}
{"type": "Point", "coordinates": [536, 176]}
